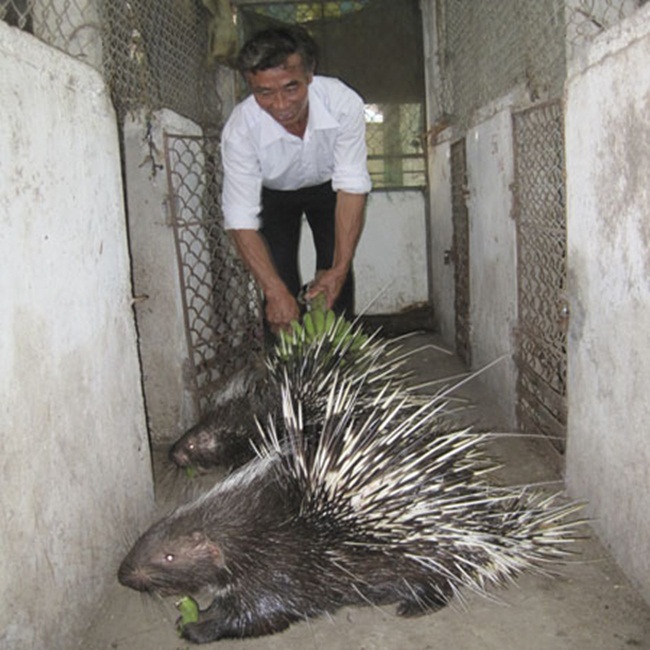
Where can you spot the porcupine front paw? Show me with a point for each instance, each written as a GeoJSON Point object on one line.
{"type": "Point", "coordinates": [421, 601]}
{"type": "Point", "coordinates": [413, 608]}
{"type": "Point", "coordinates": [220, 628]}
{"type": "Point", "coordinates": [203, 632]}
{"type": "Point", "coordinates": [211, 624]}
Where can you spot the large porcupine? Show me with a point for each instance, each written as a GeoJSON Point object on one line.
{"type": "Point", "coordinates": [389, 506]}
{"type": "Point", "coordinates": [227, 435]}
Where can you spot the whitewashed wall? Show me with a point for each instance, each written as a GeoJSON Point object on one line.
{"type": "Point", "coordinates": [164, 348]}
{"type": "Point", "coordinates": [441, 241]}
{"type": "Point", "coordinates": [493, 272]}
{"type": "Point", "coordinates": [608, 196]}
{"type": "Point", "coordinates": [492, 244]}
{"type": "Point", "coordinates": [391, 260]}
{"type": "Point", "coordinates": [75, 465]}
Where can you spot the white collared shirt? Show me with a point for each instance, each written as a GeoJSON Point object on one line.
{"type": "Point", "coordinates": [257, 151]}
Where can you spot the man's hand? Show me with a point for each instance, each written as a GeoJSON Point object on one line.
{"type": "Point", "coordinates": [281, 309]}
{"type": "Point", "coordinates": [328, 281]}
{"type": "Point", "coordinates": [281, 306]}
{"type": "Point", "coordinates": [349, 224]}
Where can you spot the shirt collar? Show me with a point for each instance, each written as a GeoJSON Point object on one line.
{"type": "Point", "coordinates": [319, 119]}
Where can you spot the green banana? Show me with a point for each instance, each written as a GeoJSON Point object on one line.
{"type": "Point", "coordinates": [342, 331]}
{"type": "Point", "coordinates": [318, 302]}
{"type": "Point", "coordinates": [298, 330]}
{"type": "Point", "coordinates": [318, 317]}
{"type": "Point", "coordinates": [317, 323]}
{"type": "Point", "coordinates": [330, 317]}
{"type": "Point", "coordinates": [283, 349]}
{"type": "Point", "coordinates": [310, 328]}
{"type": "Point", "coordinates": [358, 340]}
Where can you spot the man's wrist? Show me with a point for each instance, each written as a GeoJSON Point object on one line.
{"type": "Point", "coordinates": [275, 290]}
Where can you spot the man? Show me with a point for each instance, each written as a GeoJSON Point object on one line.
{"type": "Point", "coordinates": [295, 145]}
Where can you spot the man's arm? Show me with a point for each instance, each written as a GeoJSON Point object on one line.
{"type": "Point", "coordinates": [349, 220]}
{"type": "Point", "coordinates": [281, 306]}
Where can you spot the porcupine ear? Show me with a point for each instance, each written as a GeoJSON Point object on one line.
{"type": "Point", "coordinates": [206, 547]}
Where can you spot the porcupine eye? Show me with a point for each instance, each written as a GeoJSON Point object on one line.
{"type": "Point", "coordinates": [191, 446]}
{"type": "Point", "coordinates": [169, 558]}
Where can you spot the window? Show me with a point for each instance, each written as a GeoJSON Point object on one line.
{"type": "Point", "coordinates": [396, 156]}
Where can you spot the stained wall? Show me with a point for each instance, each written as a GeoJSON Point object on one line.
{"type": "Point", "coordinates": [75, 465]}
{"type": "Point", "coordinates": [608, 220]}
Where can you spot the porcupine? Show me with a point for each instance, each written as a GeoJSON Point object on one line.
{"type": "Point", "coordinates": [227, 435]}
{"type": "Point", "coordinates": [384, 508]}
{"type": "Point", "coordinates": [222, 437]}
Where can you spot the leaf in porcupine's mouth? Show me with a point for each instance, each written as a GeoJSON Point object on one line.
{"type": "Point", "coordinates": [189, 611]}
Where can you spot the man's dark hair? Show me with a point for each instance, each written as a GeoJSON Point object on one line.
{"type": "Point", "coordinates": [271, 47]}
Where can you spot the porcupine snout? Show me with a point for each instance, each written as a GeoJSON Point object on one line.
{"type": "Point", "coordinates": [178, 455]}
{"type": "Point", "coordinates": [133, 577]}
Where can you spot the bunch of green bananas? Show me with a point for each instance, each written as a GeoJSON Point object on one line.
{"type": "Point", "coordinates": [316, 324]}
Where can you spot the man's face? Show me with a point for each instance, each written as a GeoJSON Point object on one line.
{"type": "Point", "coordinates": [283, 93]}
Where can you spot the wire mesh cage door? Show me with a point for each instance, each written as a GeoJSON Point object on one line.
{"type": "Point", "coordinates": [221, 304]}
{"type": "Point", "coordinates": [541, 271]}
{"type": "Point", "coordinates": [460, 249]}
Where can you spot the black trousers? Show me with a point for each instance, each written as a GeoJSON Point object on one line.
{"type": "Point", "coordinates": [281, 220]}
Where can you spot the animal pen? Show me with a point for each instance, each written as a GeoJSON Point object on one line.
{"type": "Point", "coordinates": [433, 73]}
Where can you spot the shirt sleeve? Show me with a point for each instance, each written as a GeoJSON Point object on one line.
{"type": "Point", "coordinates": [242, 178]}
{"type": "Point", "coordinates": [350, 154]}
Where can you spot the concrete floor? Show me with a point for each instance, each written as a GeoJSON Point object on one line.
{"type": "Point", "coordinates": [590, 605]}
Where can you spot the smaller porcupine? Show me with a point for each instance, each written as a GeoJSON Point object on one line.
{"type": "Point", "coordinates": [385, 507]}
{"type": "Point", "coordinates": [227, 435]}
{"type": "Point", "coordinates": [220, 439]}
{"type": "Point", "coordinates": [223, 436]}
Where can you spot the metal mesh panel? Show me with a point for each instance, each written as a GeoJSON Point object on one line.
{"type": "Point", "coordinates": [155, 55]}
{"type": "Point", "coordinates": [73, 26]}
{"type": "Point", "coordinates": [587, 18]}
{"type": "Point", "coordinates": [489, 48]}
{"type": "Point", "coordinates": [222, 310]}
{"type": "Point", "coordinates": [541, 257]}
{"type": "Point", "coordinates": [485, 51]}
{"type": "Point", "coordinates": [17, 13]}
